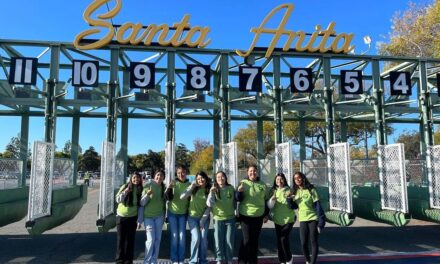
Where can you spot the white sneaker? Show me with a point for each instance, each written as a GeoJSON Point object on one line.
{"type": "Point", "coordinates": [175, 262]}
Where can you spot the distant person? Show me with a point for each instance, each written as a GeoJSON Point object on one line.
{"type": "Point", "coordinates": [177, 215]}
{"type": "Point", "coordinates": [128, 199]}
{"type": "Point", "coordinates": [198, 217]}
{"type": "Point", "coordinates": [153, 214]}
{"type": "Point", "coordinates": [221, 199]}
{"type": "Point", "coordinates": [310, 215]}
{"type": "Point", "coordinates": [252, 193]}
{"type": "Point", "coordinates": [87, 178]}
{"type": "Point", "coordinates": [283, 215]}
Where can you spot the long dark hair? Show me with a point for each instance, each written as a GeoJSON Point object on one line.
{"type": "Point", "coordinates": [307, 184]}
{"type": "Point", "coordinates": [161, 171]}
{"type": "Point", "coordinates": [207, 180]}
{"type": "Point", "coordinates": [128, 200]}
{"type": "Point", "coordinates": [218, 186]}
{"type": "Point", "coordinates": [279, 174]}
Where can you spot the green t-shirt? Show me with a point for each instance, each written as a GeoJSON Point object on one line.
{"type": "Point", "coordinates": [223, 208]}
{"type": "Point", "coordinates": [305, 199]}
{"type": "Point", "coordinates": [128, 211]}
{"type": "Point", "coordinates": [281, 212]}
{"type": "Point", "coordinates": [255, 195]}
{"type": "Point", "coordinates": [177, 205]}
{"type": "Point", "coordinates": [197, 203]}
{"type": "Point", "coordinates": [156, 204]}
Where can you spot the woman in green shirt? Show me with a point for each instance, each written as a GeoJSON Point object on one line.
{"type": "Point", "coordinates": [198, 219]}
{"type": "Point", "coordinates": [221, 199]}
{"type": "Point", "coordinates": [153, 202]}
{"type": "Point", "coordinates": [252, 195]}
{"type": "Point", "coordinates": [177, 215]}
{"type": "Point", "coordinates": [305, 195]}
{"type": "Point", "coordinates": [283, 215]}
{"type": "Point", "coordinates": [128, 199]}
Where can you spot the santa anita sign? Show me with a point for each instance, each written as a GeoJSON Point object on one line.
{"type": "Point", "coordinates": [197, 36]}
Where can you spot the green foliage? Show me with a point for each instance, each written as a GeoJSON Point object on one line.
{"type": "Point", "coordinates": [89, 161]}
{"type": "Point", "coordinates": [411, 140]}
{"type": "Point", "coordinates": [151, 161]}
{"type": "Point", "coordinates": [203, 160]}
{"type": "Point", "coordinates": [415, 32]}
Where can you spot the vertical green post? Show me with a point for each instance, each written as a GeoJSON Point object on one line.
{"type": "Point", "coordinates": [112, 86]}
{"type": "Point", "coordinates": [74, 149]}
{"type": "Point", "coordinates": [260, 140]}
{"type": "Point", "coordinates": [216, 121]}
{"type": "Point", "coordinates": [343, 131]}
{"type": "Point", "coordinates": [302, 142]}
{"type": "Point", "coordinates": [378, 104]}
{"type": "Point", "coordinates": [51, 106]}
{"type": "Point", "coordinates": [170, 119]}
{"type": "Point", "coordinates": [277, 103]}
{"type": "Point", "coordinates": [24, 142]}
{"type": "Point", "coordinates": [123, 155]}
{"type": "Point", "coordinates": [224, 87]}
{"type": "Point", "coordinates": [426, 110]}
{"type": "Point", "coordinates": [328, 97]}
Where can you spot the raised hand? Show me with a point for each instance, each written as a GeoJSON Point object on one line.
{"type": "Point", "coordinates": [240, 187]}
{"type": "Point", "coordinates": [150, 191]}
{"type": "Point", "coordinates": [213, 189]}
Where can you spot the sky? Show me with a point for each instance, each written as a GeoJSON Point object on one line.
{"type": "Point", "coordinates": [230, 22]}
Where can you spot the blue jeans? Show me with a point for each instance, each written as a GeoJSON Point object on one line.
{"type": "Point", "coordinates": [199, 240]}
{"type": "Point", "coordinates": [177, 230]}
{"type": "Point", "coordinates": [224, 236]}
{"type": "Point", "coordinates": [153, 230]}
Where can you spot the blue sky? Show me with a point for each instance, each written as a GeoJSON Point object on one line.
{"type": "Point", "coordinates": [230, 22]}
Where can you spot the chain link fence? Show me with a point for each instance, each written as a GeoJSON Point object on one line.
{"type": "Point", "coordinates": [434, 176]}
{"type": "Point", "coordinates": [40, 188]}
{"type": "Point", "coordinates": [62, 173]}
{"type": "Point", "coordinates": [10, 173]}
{"type": "Point", "coordinates": [393, 177]}
{"type": "Point", "coordinates": [108, 168]}
{"type": "Point", "coordinates": [229, 163]}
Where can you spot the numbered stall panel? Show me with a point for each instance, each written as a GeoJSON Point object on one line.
{"type": "Point", "coordinates": [85, 73]}
{"type": "Point", "coordinates": [400, 83]}
{"type": "Point", "coordinates": [250, 79]}
{"type": "Point", "coordinates": [23, 71]}
{"type": "Point", "coordinates": [142, 75]}
{"type": "Point", "coordinates": [198, 77]}
{"type": "Point", "coordinates": [301, 80]}
{"type": "Point", "coordinates": [351, 82]}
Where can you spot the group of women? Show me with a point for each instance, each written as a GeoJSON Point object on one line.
{"type": "Point", "coordinates": [251, 203]}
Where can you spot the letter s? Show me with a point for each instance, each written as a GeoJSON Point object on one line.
{"type": "Point", "coordinates": [97, 23]}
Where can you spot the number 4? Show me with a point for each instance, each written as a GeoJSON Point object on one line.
{"type": "Point", "coordinates": [400, 83]}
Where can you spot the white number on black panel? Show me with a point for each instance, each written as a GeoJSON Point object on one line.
{"type": "Point", "coordinates": [23, 71]}
{"type": "Point", "coordinates": [198, 77]}
{"type": "Point", "coordinates": [250, 79]}
{"type": "Point", "coordinates": [438, 84]}
{"type": "Point", "coordinates": [400, 83]}
{"type": "Point", "coordinates": [351, 82]}
{"type": "Point", "coordinates": [85, 73]}
{"type": "Point", "coordinates": [301, 80]}
{"type": "Point", "coordinates": [142, 75]}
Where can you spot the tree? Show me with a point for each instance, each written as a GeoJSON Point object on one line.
{"type": "Point", "coordinates": [183, 156]}
{"type": "Point", "coordinates": [203, 160]}
{"type": "Point", "coordinates": [151, 161]}
{"type": "Point", "coordinates": [411, 140]}
{"type": "Point", "coordinates": [90, 160]}
{"type": "Point", "coordinates": [68, 148]}
{"type": "Point", "coordinates": [415, 32]}
{"type": "Point", "coordinates": [13, 148]}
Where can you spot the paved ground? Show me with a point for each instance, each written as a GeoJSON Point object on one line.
{"type": "Point", "coordinates": [78, 241]}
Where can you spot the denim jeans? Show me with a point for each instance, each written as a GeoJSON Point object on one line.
{"type": "Point", "coordinates": [177, 225]}
{"type": "Point", "coordinates": [153, 230]}
{"type": "Point", "coordinates": [224, 236]}
{"type": "Point", "coordinates": [199, 240]}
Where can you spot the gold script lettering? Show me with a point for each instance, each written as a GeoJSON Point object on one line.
{"type": "Point", "coordinates": [135, 33]}
{"type": "Point", "coordinates": [300, 36]}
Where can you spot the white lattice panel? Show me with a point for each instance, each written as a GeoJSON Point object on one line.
{"type": "Point", "coordinates": [433, 164]}
{"type": "Point", "coordinates": [170, 162]}
{"type": "Point", "coordinates": [108, 169]}
{"type": "Point", "coordinates": [40, 187]}
{"type": "Point", "coordinates": [392, 175]}
{"type": "Point", "coordinates": [10, 173]}
{"type": "Point", "coordinates": [283, 160]}
{"type": "Point", "coordinates": [230, 162]}
{"type": "Point", "coordinates": [338, 158]}
{"type": "Point", "coordinates": [118, 180]}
